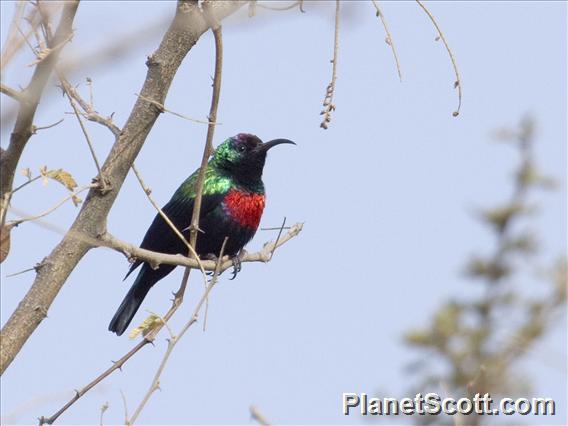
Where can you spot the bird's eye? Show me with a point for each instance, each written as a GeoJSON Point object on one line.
{"type": "Point", "coordinates": [242, 148]}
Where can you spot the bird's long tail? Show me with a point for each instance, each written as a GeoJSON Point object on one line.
{"type": "Point", "coordinates": [130, 305]}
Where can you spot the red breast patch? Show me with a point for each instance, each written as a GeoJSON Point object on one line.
{"type": "Point", "coordinates": [245, 207]}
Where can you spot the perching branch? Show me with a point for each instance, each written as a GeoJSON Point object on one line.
{"type": "Point", "coordinates": [155, 258]}
{"type": "Point", "coordinates": [187, 26]}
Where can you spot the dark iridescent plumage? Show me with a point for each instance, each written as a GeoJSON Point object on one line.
{"type": "Point", "coordinates": [233, 201]}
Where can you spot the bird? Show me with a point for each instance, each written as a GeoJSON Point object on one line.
{"type": "Point", "coordinates": [232, 204]}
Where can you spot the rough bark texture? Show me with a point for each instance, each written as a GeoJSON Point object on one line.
{"type": "Point", "coordinates": [186, 28]}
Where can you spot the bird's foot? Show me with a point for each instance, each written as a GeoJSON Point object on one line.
{"type": "Point", "coordinates": [212, 257]}
{"type": "Point", "coordinates": [237, 263]}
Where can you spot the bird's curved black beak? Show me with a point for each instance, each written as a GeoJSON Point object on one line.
{"type": "Point", "coordinates": [267, 145]}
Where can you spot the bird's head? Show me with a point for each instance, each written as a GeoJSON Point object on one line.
{"type": "Point", "coordinates": [243, 156]}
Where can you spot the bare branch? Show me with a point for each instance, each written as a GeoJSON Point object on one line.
{"type": "Point", "coordinates": [328, 105]}
{"type": "Point", "coordinates": [78, 394]}
{"type": "Point", "coordinates": [87, 107]}
{"type": "Point", "coordinates": [24, 121]}
{"type": "Point", "coordinates": [49, 126]}
{"type": "Point", "coordinates": [177, 114]}
{"type": "Point", "coordinates": [72, 196]}
{"type": "Point", "coordinates": [156, 258]}
{"type": "Point", "coordinates": [100, 177]}
{"type": "Point", "coordinates": [13, 93]}
{"type": "Point", "coordinates": [12, 44]}
{"type": "Point", "coordinates": [457, 83]}
{"type": "Point", "coordinates": [148, 192]}
{"type": "Point", "coordinates": [257, 416]}
{"type": "Point", "coordinates": [389, 39]}
{"type": "Point", "coordinates": [208, 149]}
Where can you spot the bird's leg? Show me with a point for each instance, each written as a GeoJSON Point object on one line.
{"type": "Point", "coordinates": [237, 263]}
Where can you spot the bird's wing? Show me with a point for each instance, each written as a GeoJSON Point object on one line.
{"type": "Point", "coordinates": [161, 238]}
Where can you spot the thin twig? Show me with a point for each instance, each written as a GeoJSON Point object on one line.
{"type": "Point", "coordinates": [21, 272]}
{"type": "Point", "coordinates": [90, 113]}
{"type": "Point", "coordinates": [277, 228]}
{"type": "Point", "coordinates": [104, 407]}
{"type": "Point", "coordinates": [457, 83]}
{"type": "Point", "coordinates": [101, 180]}
{"type": "Point", "coordinates": [328, 105]}
{"type": "Point", "coordinates": [278, 237]}
{"type": "Point", "coordinates": [52, 209]}
{"type": "Point", "coordinates": [12, 44]}
{"type": "Point", "coordinates": [148, 192]}
{"type": "Point", "coordinates": [26, 183]}
{"type": "Point", "coordinates": [173, 341]}
{"type": "Point", "coordinates": [124, 405]}
{"type": "Point", "coordinates": [389, 39]}
{"type": "Point", "coordinates": [78, 394]}
{"type": "Point", "coordinates": [49, 126]}
{"type": "Point", "coordinates": [257, 416]}
{"type": "Point", "coordinates": [177, 114]}
{"type": "Point", "coordinates": [208, 148]}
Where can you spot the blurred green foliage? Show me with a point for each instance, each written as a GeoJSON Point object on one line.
{"type": "Point", "coordinates": [473, 345]}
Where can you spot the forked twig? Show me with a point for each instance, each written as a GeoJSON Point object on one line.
{"type": "Point", "coordinates": [457, 83]}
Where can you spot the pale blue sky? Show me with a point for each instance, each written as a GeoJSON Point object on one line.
{"type": "Point", "coordinates": [386, 194]}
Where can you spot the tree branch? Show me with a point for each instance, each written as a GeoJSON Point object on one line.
{"type": "Point", "coordinates": [12, 93]}
{"type": "Point", "coordinates": [173, 341]}
{"type": "Point", "coordinates": [188, 25]}
{"type": "Point", "coordinates": [156, 259]}
{"type": "Point", "coordinates": [32, 94]}
{"type": "Point", "coordinates": [328, 105]}
{"type": "Point", "coordinates": [457, 83]}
